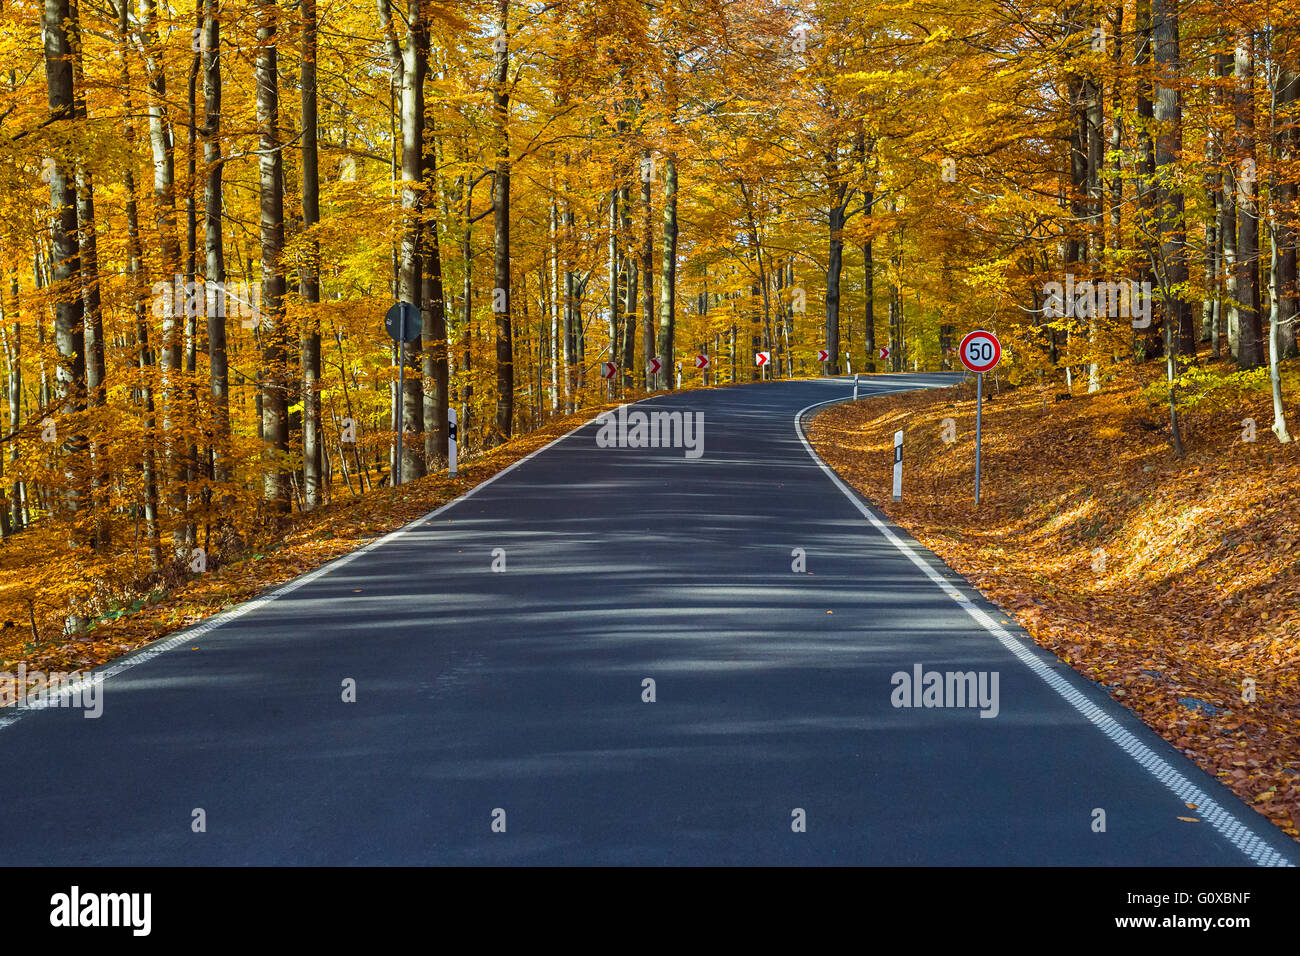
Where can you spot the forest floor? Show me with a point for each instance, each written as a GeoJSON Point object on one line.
{"type": "Point", "coordinates": [1172, 582]}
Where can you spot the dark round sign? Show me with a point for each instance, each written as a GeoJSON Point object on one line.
{"type": "Point", "coordinates": [404, 322]}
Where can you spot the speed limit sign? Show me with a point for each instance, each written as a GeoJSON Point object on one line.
{"type": "Point", "coordinates": [980, 351]}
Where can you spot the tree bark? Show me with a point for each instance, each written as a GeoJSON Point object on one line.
{"type": "Point", "coordinates": [275, 351]}
{"type": "Point", "coordinates": [1251, 343]}
{"type": "Point", "coordinates": [309, 273]}
{"type": "Point", "coordinates": [214, 255]}
{"type": "Point", "coordinates": [668, 278]}
{"type": "Point", "coordinates": [1169, 148]}
{"type": "Point", "coordinates": [649, 334]}
{"type": "Point", "coordinates": [501, 233]}
{"type": "Point", "coordinates": [65, 273]}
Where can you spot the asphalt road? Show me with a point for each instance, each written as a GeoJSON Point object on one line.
{"type": "Point", "coordinates": [521, 690]}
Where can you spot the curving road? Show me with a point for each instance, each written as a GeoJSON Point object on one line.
{"type": "Point", "coordinates": [522, 691]}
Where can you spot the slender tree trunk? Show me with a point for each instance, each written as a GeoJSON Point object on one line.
{"type": "Point", "coordinates": [93, 334]}
{"type": "Point", "coordinates": [1275, 340]}
{"type": "Point", "coordinates": [14, 394]}
{"type": "Point", "coordinates": [65, 274]}
{"type": "Point", "coordinates": [1229, 170]}
{"type": "Point", "coordinates": [215, 263]}
{"type": "Point", "coordinates": [501, 232]}
{"type": "Point", "coordinates": [1145, 162]}
{"type": "Point", "coordinates": [275, 345]}
{"type": "Point", "coordinates": [162, 143]}
{"type": "Point", "coordinates": [1288, 101]}
{"type": "Point", "coordinates": [869, 293]}
{"type": "Point", "coordinates": [139, 298]}
{"type": "Point", "coordinates": [411, 281]}
{"type": "Point", "coordinates": [1251, 343]}
{"type": "Point", "coordinates": [614, 306]}
{"type": "Point", "coordinates": [834, 267]}
{"type": "Point", "coordinates": [1169, 147]}
{"type": "Point", "coordinates": [309, 273]}
{"type": "Point", "coordinates": [435, 335]}
{"type": "Point", "coordinates": [668, 278]}
{"type": "Point", "coordinates": [1094, 121]}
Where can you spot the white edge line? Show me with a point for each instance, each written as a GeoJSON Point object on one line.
{"type": "Point", "coordinates": [225, 617]}
{"type": "Point", "coordinates": [1241, 835]}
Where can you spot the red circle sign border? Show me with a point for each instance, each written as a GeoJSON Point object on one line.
{"type": "Point", "coordinates": [997, 351]}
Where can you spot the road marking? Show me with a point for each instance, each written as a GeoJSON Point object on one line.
{"type": "Point", "coordinates": [1239, 834]}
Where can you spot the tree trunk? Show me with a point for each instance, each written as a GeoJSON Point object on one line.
{"type": "Point", "coordinates": [501, 233]}
{"type": "Point", "coordinates": [1146, 165]}
{"type": "Point", "coordinates": [411, 281]}
{"type": "Point", "coordinates": [139, 297]}
{"type": "Point", "coordinates": [668, 278]}
{"type": "Point", "coordinates": [1251, 343]}
{"type": "Point", "coordinates": [162, 143]}
{"type": "Point", "coordinates": [1288, 100]}
{"type": "Point", "coordinates": [1275, 341]}
{"type": "Point", "coordinates": [1169, 147]}
{"type": "Point", "coordinates": [309, 272]}
{"type": "Point", "coordinates": [436, 346]}
{"type": "Point", "coordinates": [614, 306]}
{"type": "Point", "coordinates": [834, 267]}
{"type": "Point", "coordinates": [66, 278]}
{"type": "Point", "coordinates": [93, 334]}
{"type": "Point", "coordinates": [275, 351]}
{"type": "Point", "coordinates": [214, 255]}
{"type": "Point", "coordinates": [649, 334]}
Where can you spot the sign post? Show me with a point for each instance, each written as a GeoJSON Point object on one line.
{"type": "Point", "coordinates": [980, 352]}
{"type": "Point", "coordinates": [404, 324]}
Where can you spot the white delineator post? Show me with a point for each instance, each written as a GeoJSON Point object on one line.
{"type": "Point", "coordinates": [855, 388]}
{"type": "Point", "coordinates": [451, 443]}
{"type": "Point", "coordinates": [898, 465]}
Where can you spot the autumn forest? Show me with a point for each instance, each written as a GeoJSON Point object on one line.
{"type": "Point", "coordinates": [208, 210]}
